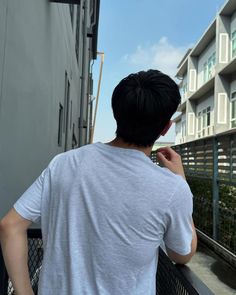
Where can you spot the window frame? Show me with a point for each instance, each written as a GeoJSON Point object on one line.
{"type": "Point", "coordinates": [60, 125]}
{"type": "Point", "coordinates": [208, 67]}
{"type": "Point", "coordinates": [233, 41]}
{"type": "Point", "coordinates": [202, 121]}
{"type": "Point", "coordinates": [232, 100]}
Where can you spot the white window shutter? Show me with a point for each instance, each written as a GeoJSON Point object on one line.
{"type": "Point", "coordinates": [222, 108]}
{"type": "Point", "coordinates": [191, 125]}
{"type": "Point", "coordinates": [224, 48]}
{"type": "Point", "coordinates": [192, 80]}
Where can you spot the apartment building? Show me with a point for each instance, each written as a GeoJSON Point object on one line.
{"type": "Point", "coordinates": [207, 75]}
{"type": "Point", "coordinates": [46, 52]}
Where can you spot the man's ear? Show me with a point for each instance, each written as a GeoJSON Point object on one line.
{"type": "Point", "coordinates": [164, 131]}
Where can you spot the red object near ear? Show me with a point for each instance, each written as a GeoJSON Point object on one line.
{"type": "Point", "coordinates": [164, 131]}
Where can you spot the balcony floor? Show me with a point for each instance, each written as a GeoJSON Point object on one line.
{"type": "Point", "coordinates": [218, 275]}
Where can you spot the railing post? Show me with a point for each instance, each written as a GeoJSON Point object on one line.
{"type": "Point", "coordinates": [215, 189]}
{"type": "Point", "coordinates": [3, 276]}
{"type": "Point", "coordinates": [231, 145]}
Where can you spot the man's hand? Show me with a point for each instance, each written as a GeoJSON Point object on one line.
{"type": "Point", "coordinates": [171, 160]}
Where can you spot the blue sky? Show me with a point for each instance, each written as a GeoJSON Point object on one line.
{"type": "Point", "coordinates": [141, 34]}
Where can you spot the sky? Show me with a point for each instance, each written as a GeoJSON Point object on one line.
{"type": "Point", "coordinates": [142, 34]}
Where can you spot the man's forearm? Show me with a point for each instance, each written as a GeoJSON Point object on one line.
{"type": "Point", "coordinates": [15, 253]}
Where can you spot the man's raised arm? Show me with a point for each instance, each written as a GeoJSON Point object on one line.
{"type": "Point", "coordinates": [171, 160]}
{"type": "Point", "coordinates": [13, 238]}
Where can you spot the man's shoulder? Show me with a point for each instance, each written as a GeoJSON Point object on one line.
{"type": "Point", "coordinates": [77, 153]}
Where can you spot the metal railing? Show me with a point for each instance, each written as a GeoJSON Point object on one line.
{"type": "Point", "coordinates": [210, 167]}
{"type": "Point", "coordinates": [171, 279]}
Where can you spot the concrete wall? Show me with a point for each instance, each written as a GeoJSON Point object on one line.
{"type": "Point", "coordinates": [39, 46]}
{"type": "Point", "coordinates": [204, 103]}
{"type": "Point", "coordinates": [203, 58]}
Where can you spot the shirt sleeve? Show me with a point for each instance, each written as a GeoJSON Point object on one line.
{"type": "Point", "coordinates": [29, 204]}
{"type": "Point", "coordinates": [179, 232]}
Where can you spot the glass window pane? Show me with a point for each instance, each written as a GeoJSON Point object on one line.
{"type": "Point", "coordinates": [214, 58]}
{"type": "Point", "coordinates": [208, 119]}
{"type": "Point", "coordinates": [233, 113]}
{"type": "Point", "coordinates": [234, 44]}
{"type": "Point", "coordinates": [233, 95]}
{"type": "Point", "coordinates": [234, 35]}
{"type": "Point", "coordinates": [233, 123]}
{"type": "Point", "coordinates": [205, 72]}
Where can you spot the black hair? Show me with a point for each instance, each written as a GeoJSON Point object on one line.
{"type": "Point", "coordinates": [143, 104]}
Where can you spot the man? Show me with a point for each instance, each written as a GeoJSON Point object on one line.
{"type": "Point", "coordinates": [106, 208]}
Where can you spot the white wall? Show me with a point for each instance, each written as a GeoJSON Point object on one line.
{"type": "Point", "coordinates": [201, 61]}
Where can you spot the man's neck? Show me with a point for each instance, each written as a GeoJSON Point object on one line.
{"type": "Point", "coordinates": [118, 142]}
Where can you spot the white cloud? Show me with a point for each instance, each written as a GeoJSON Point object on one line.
{"type": "Point", "coordinates": [162, 56]}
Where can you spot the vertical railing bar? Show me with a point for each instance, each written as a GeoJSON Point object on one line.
{"type": "Point", "coordinates": [3, 276]}
{"type": "Point", "coordinates": [231, 158]}
{"type": "Point", "coordinates": [215, 189]}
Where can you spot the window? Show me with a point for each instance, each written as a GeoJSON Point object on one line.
{"type": "Point", "coordinates": [71, 6]}
{"type": "Point", "coordinates": [66, 109]}
{"type": "Point", "coordinates": [70, 114]}
{"type": "Point", "coordinates": [233, 110]}
{"type": "Point", "coordinates": [74, 139]}
{"type": "Point", "coordinates": [209, 68]}
{"type": "Point", "coordinates": [60, 123]}
{"type": "Point", "coordinates": [205, 70]}
{"type": "Point", "coordinates": [203, 121]}
{"type": "Point", "coordinates": [77, 34]}
{"type": "Point", "coordinates": [233, 42]}
{"type": "Point", "coordinates": [208, 116]}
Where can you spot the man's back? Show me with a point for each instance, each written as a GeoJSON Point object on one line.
{"type": "Point", "coordinates": [104, 212]}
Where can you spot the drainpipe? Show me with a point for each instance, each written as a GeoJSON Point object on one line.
{"type": "Point", "coordinates": [83, 77]}
{"type": "Point", "coordinates": [98, 93]}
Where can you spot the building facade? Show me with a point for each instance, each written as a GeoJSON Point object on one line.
{"type": "Point", "coordinates": [208, 81]}
{"type": "Point", "coordinates": [46, 50]}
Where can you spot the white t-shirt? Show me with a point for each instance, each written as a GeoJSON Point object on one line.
{"type": "Point", "coordinates": [104, 212]}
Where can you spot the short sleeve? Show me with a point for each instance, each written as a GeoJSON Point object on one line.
{"type": "Point", "coordinates": [179, 232]}
{"type": "Point", "coordinates": [29, 204]}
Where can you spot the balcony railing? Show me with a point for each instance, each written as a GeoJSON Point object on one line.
{"type": "Point", "coordinates": [210, 168]}
{"type": "Point", "coordinates": [171, 279]}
